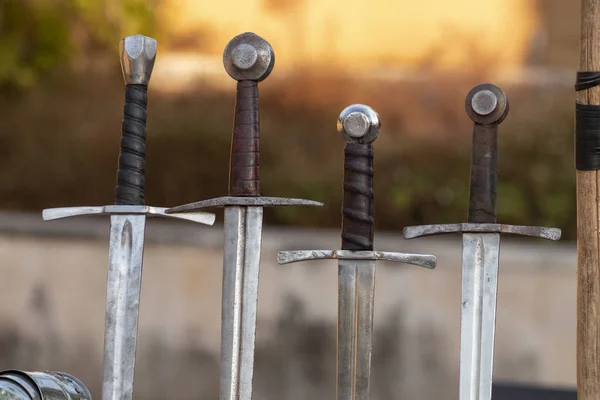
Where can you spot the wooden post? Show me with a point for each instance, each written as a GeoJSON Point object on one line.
{"type": "Point", "coordinates": [588, 268]}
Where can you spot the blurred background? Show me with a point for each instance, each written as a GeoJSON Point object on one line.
{"type": "Point", "coordinates": [61, 100]}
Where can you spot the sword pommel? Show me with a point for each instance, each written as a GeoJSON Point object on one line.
{"type": "Point", "coordinates": [137, 59]}
{"type": "Point", "coordinates": [359, 125]}
{"type": "Point", "coordinates": [248, 57]}
{"type": "Point", "coordinates": [487, 106]}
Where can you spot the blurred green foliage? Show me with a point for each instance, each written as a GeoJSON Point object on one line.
{"type": "Point", "coordinates": [39, 35]}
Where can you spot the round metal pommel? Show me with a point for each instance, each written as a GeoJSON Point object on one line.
{"type": "Point", "coordinates": [486, 104]}
{"type": "Point", "coordinates": [248, 57]}
{"type": "Point", "coordinates": [137, 59]}
{"type": "Point", "coordinates": [359, 124]}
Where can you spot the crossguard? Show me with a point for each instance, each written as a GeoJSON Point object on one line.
{"type": "Point", "coordinates": [288, 257]}
{"type": "Point", "coordinates": [66, 212]}
{"type": "Point", "coordinates": [411, 232]}
{"type": "Point", "coordinates": [241, 201]}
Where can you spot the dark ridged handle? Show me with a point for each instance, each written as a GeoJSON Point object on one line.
{"type": "Point", "coordinates": [357, 208]}
{"type": "Point", "coordinates": [487, 106]}
{"type": "Point", "coordinates": [244, 177]}
{"type": "Point", "coordinates": [484, 174]}
{"type": "Point", "coordinates": [132, 158]}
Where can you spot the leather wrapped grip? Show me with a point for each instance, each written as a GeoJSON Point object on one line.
{"type": "Point", "coordinates": [244, 179]}
{"type": "Point", "coordinates": [484, 174]}
{"type": "Point", "coordinates": [357, 208]}
{"type": "Point", "coordinates": [132, 158]}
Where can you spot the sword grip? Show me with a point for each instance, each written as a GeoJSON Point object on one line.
{"type": "Point", "coordinates": [132, 158]}
{"type": "Point", "coordinates": [487, 106]}
{"type": "Point", "coordinates": [484, 174]}
{"type": "Point", "coordinates": [358, 204]}
{"type": "Point", "coordinates": [244, 176]}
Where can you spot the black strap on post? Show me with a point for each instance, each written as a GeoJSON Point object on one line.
{"type": "Point", "coordinates": [587, 126]}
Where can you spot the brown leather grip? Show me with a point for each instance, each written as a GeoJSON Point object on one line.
{"type": "Point", "coordinates": [244, 176]}
{"type": "Point", "coordinates": [357, 208]}
{"type": "Point", "coordinates": [484, 174]}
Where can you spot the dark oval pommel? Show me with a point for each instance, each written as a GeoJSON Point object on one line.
{"type": "Point", "coordinates": [138, 54]}
{"type": "Point", "coordinates": [359, 124]}
{"type": "Point", "coordinates": [248, 57]}
{"type": "Point", "coordinates": [487, 104]}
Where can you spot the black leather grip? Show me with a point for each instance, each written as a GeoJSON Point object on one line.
{"type": "Point", "coordinates": [132, 159]}
{"type": "Point", "coordinates": [484, 174]}
{"type": "Point", "coordinates": [357, 208]}
{"type": "Point", "coordinates": [244, 179]}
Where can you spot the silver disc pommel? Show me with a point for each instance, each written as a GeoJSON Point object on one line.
{"type": "Point", "coordinates": [248, 57]}
{"type": "Point", "coordinates": [138, 54]}
{"type": "Point", "coordinates": [359, 124]}
{"type": "Point", "coordinates": [48, 385]}
{"type": "Point", "coordinates": [487, 104]}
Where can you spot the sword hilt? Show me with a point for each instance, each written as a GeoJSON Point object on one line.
{"type": "Point", "coordinates": [248, 59]}
{"type": "Point", "coordinates": [359, 125]}
{"type": "Point", "coordinates": [487, 106]}
{"type": "Point", "coordinates": [137, 60]}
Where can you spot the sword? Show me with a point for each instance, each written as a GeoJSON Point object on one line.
{"type": "Point", "coordinates": [248, 59]}
{"type": "Point", "coordinates": [359, 125]}
{"type": "Point", "coordinates": [487, 106]}
{"type": "Point", "coordinates": [127, 223]}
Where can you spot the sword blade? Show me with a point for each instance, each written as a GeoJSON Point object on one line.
{"type": "Point", "coordinates": [356, 289]}
{"type": "Point", "coordinates": [241, 262]}
{"type": "Point", "coordinates": [122, 304]}
{"type": "Point", "coordinates": [478, 314]}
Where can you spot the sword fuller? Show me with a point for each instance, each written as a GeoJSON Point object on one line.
{"type": "Point", "coordinates": [478, 314]}
{"type": "Point", "coordinates": [122, 305]}
{"type": "Point", "coordinates": [241, 262]}
{"type": "Point", "coordinates": [356, 290]}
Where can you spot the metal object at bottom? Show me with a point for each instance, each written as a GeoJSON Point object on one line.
{"type": "Point", "coordinates": [49, 385]}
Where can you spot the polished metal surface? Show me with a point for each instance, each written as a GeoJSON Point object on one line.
{"type": "Point", "coordinates": [411, 232]}
{"type": "Point", "coordinates": [122, 304]}
{"type": "Point", "coordinates": [248, 57]}
{"type": "Point", "coordinates": [484, 102]}
{"type": "Point", "coordinates": [48, 385]}
{"type": "Point", "coordinates": [65, 212]}
{"type": "Point", "coordinates": [478, 314]}
{"type": "Point", "coordinates": [356, 291]}
{"type": "Point", "coordinates": [241, 201]}
{"type": "Point", "coordinates": [288, 257]}
{"type": "Point", "coordinates": [241, 263]}
{"type": "Point", "coordinates": [358, 123]}
{"type": "Point", "coordinates": [138, 54]}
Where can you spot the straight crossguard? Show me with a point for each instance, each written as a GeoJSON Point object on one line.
{"type": "Point", "coordinates": [248, 59]}
{"type": "Point", "coordinates": [487, 106]}
{"type": "Point", "coordinates": [359, 125]}
{"type": "Point", "coordinates": [127, 223]}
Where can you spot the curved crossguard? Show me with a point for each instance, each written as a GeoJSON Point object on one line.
{"type": "Point", "coordinates": [487, 106]}
{"type": "Point", "coordinates": [359, 125]}
{"type": "Point", "coordinates": [127, 223]}
{"type": "Point", "coordinates": [249, 59]}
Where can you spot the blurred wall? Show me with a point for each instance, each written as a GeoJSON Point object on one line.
{"type": "Point", "coordinates": [361, 33]}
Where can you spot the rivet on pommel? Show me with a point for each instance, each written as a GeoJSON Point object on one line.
{"type": "Point", "coordinates": [244, 56]}
{"type": "Point", "coordinates": [358, 124]}
{"type": "Point", "coordinates": [484, 102]}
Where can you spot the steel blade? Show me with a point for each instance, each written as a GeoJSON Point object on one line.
{"type": "Point", "coordinates": [356, 290]}
{"type": "Point", "coordinates": [241, 262]}
{"type": "Point", "coordinates": [478, 314]}
{"type": "Point", "coordinates": [122, 304]}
